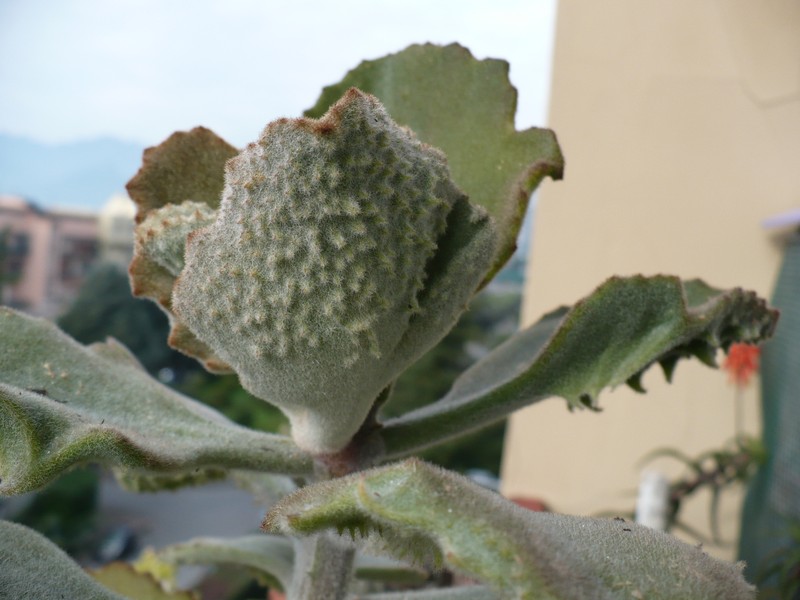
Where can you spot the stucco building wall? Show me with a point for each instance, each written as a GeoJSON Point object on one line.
{"type": "Point", "coordinates": [680, 124]}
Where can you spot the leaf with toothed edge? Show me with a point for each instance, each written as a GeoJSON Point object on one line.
{"type": "Point", "coordinates": [520, 553]}
{"type": "Point", "coordinates": [436, 90]}
{"type": "Point", "coordinates": [63, 404]}
{"type": "Point", "coordinates": [609, 338]}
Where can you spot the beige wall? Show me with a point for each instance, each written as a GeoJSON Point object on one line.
{"type": "Point", "coordinates": [680, 124]}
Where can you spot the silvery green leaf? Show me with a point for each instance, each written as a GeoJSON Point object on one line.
{"type": "Point", "coordinates": [341, 252]}
{"type": "Point", "coordinates": [465, 107]}
{"type": "Point", "coordinates": [609, 338]}
{"type": "Point", "coordinates": [422, 510]}
{"type": "Point", "coordinates": [31, 566]}
{"type": "Point", "coordinates": [471, 592]}
{"type": "Point", "coordinates": [62, 404]}
{"type": "Point", "coordinates": [271, 556]}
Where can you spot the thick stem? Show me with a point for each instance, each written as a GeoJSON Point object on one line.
{"type": "Point", "coordinates": [323, 569]}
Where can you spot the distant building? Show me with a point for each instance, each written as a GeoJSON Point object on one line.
{"type": "Point", "coordinates": [45, 255]}
{"type": "Point", "coordinates": [115, 230]}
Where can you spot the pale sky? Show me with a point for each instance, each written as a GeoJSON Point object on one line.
{"type": "Point", "coordinates": [140, 69]}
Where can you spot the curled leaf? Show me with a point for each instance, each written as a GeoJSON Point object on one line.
{"type": "Point", "coordinates": [465, 107]}
{"type": "Point", "coordinates": [270, 556]}
{"type": "Point", "coordinates": [158, 259]}
{"type": "Point", "coordinates": [189, 165]}
{"type": "Point", "coordinates": [609, 338]}
{"type": "Point", "coordinates": [176, 190]}
{"type": "Point", "coordinates": [520, 553]}
{"type": "Point", "coordinates": [341, 252]}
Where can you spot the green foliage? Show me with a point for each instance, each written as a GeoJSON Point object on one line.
{"type": "Point", "coordinates": [411, 508]}
{"type": "Point", "coordinates": [319, 264]}
{"type": "Point", "coordinates": [336, 223]}
{"type": "Point", "coordinates": [607, 339]}
{"type": "Point", "coordinates": [466, 108]}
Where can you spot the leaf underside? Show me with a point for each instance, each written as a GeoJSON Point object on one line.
{"type": "Point", "coordinates": [521, 554]}
{"type": "Point", "coordinates": [609, 338]}
{"type": "Point", "coordinates": [63, 404]}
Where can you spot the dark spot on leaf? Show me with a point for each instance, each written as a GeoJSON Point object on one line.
{"type": "Point", "coordinates": [625, 529]}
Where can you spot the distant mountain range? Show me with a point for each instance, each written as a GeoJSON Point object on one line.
{"type": "Point", "coordinates": [81, 175]}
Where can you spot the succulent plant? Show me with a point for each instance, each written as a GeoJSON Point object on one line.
{"type": "Point", "coordinates": [318, 264]}
{"type": "Point", "coordinates": [326, 269]}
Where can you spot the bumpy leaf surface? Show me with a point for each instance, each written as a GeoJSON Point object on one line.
{"type": "Point", "coordinates": [522, 554]}
{"type": "Point", "coordinates": [608, 338]}
{"type": "Point", "coordinates": [158, 259]}
{"type": "Point", "coordinates": [341, 251]}
{"type": "Point", "coordinates": [467, 592]}
{"type": "Point", "coordinates": [466, 108]}
{"type": "Point", "coordinates": [62, 404]}
{"type": "Point", "coordinates": [31, 566]}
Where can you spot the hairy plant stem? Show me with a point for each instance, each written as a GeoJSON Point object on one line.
{"type": "Point", "coordinates": [323, 570]}
{"type": "Point", "coordinates": [324, 566]}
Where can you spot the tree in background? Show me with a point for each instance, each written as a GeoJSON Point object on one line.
{"type": "Point", "coordinates": [105, 307]}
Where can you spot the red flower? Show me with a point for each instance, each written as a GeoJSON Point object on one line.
{"type": "Point", "coordinates": [741, 363]}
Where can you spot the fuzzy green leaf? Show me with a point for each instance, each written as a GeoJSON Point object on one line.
{"type": "Point", "coordinates": [470, 592]}
{"type": "Point", "coordinates": [464, 107]}
{"type": "Point", "coordinates": [270, 556]}
{"type": "Point", "coordinates": [189, 165]}
{"type": "Point", "coordinates": [63, 404]}
{"type": "Point", "coordinates": [31, 566]}
{"type": "Point", "coordinates": [606, 339]}
{"type": "Point", "coordinates": [177, 190]}
{"type": "Point", "coordinates": [520, 553]}
{"type": "Point", "coordinates": [341, 252]}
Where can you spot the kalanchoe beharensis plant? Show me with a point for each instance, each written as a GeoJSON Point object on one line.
{"type": "Point", "coordinates": [318, 264]}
